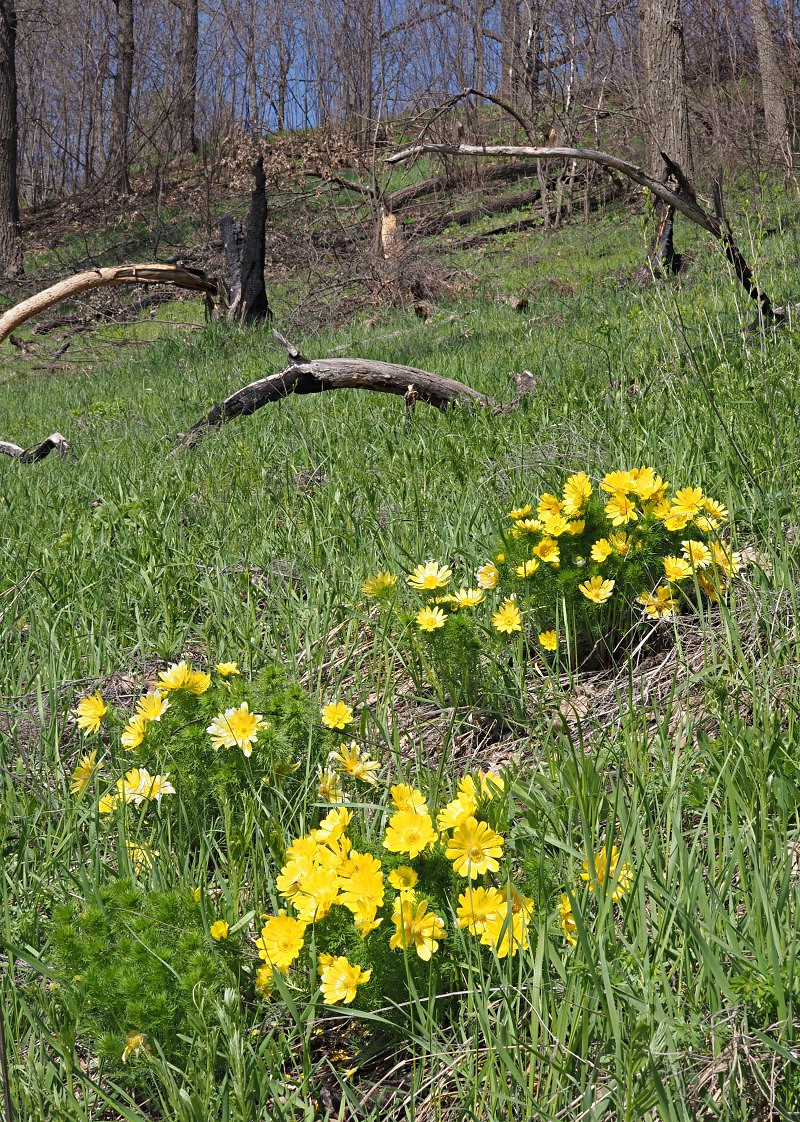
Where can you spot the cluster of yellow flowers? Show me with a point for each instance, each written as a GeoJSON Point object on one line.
{"type": "Point", "coordinates": [322, 870]}
{"type": "Point", "coordinates": [633, 541]}
{"type": "Point", "coordinates": [234, 727]}
{"type": "Point", "coordinates": [603, 874]}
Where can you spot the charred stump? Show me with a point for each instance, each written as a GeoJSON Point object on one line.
{"type": "Point", "coordinates": [245, 256]}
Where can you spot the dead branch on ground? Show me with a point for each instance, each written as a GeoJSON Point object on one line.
{"type": "Point", "coordinates": [55, 442]}
{"type": "Point", "coordinates": [306, 376]}
{"type": "Point", "coordinates": [110, 277]}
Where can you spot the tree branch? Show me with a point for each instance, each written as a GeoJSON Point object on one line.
{"type": "Point", "coordinates": [54, 442]}
{"type": "Point", "coordinates": [113, 277]}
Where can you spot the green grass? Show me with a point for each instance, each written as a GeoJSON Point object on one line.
{"type": "Point", "coordinates": [677, 1004]}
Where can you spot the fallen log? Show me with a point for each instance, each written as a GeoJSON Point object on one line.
{"type": "Point", "coordinates": [306, 376]}
{"type": "Point", "coordinates": [109, 277]}
{"type": "Point", "coordinates": [55, 442]}
{"type": "Point", "coordinates": [683, 199]}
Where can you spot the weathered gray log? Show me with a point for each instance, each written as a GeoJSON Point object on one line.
{"type": "Point", "coordinates": [305, 376]}
{"type": "Point", "coordinates": [55, 442]}
{"type": "Point", "coordinates": [683, 199]}
{"type": "Point", "coordinates": [110, 277]}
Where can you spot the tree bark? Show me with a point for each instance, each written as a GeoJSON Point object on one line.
{"type": "Point", "coordinates": [10, 244]}
{"type": "Point", "coordinates": [119, 157]}
{"type": "Point", "coordinates": [187, 77]}
{"type": "Point", "coordinates": [776, 120]}
{"type": "Point", "coordinates": [255, 305]}
{"type": "Point", "coordinates": [663, 62]}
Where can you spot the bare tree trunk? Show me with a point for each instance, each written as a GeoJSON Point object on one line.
{"type": "Point", "coordinates": [123, 85]}
{"type": "Point", "coordinates": [187, 77]}
{"type": "Point", "coordinates": [663, 59]}
{"type": "Point", "coordinates": [10, 244]}
{"type": "Point", "coordinates": [772, 91]}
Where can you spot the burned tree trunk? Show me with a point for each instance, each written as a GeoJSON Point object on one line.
{"type": "Point", "coordinates": [245, 256]}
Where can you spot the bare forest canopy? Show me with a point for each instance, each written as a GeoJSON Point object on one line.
{"type": "Point", "coordinates": [106, 89]}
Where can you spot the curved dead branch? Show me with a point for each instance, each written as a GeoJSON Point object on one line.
{"type": "Point", "coordinates": [111, 276]}
{"type": "Point", "coordinates": [304, 376]}
{"type": "Point", "coordinates": [683, 199]}
{"type": "Point", "coordinates": [55, 442]}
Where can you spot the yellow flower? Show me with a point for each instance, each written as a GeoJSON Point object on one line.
{"type": "Point", "coordinates": [527, 568]}
{"type": "Point", "coordinates": [620, 510]}
{"type": "Point", "coordinates": [81, 776]}
{"type": "Point", "coordinates": [355, 764]}
{"type": "Point", "coordinates": [318, 892]}
{"type": "Point", "coordinates": [548, 640]}
{"type": "Point", "coordinates": [676, 568]}
{"type": "Point", "coordinates": [526, 526]}
{"type": "Point", "coordinates": [197, 894]}
{"type": "Point", "coordinates": [507, 931]}
{"type": "Point", "coordinates": [227, 669]}
{"type": "Point", "coordinates": [332, 826]}
{"type": "Point", "coordinates": [429, 576]}
{"type": "Point", "coordinates": [197, 682]}
{"type": "Point", "coordinates": [181, 676]}
{"type": "Point", "coordinates": [618, 481]}
{"type": "Point", "coordinates": [605, 870]}
{"type": "Point", "coordinates": [620, 542]}
{"type": "Point", "coordinates": [467, 598]}
{"type": "Point", "coordinates": [601, 550]}
{"type": "Point", "coordinates": [568, 924]}
{"type": "Point", "coordinates": [457, 812]}
{"type": "Point", "coordinates": [236, 728]}
{"type": "Point", "coordinates": [409, 798]}
{"type": "Point", "coordinates": [133, 733]}
{"type": "Point", "coordinates": [219, 930]}
{"type": "Point", "coordinates": [90, 712]}
{"type": "Point", "coordinates": [520, 512]}
{"type": "Point", "coordinates": [487, 576]}
{"type": "Point", "coordinates": [661, 604]}
{"type": "Point", "coordinates": [290, 879]}
{"type": "Point", "coordinates": [697, 554]}
{"type": "Point", "coordinates": [429, 619]}
{"type": "Point", "coordinates": [674, 521]}
{"type": "Point", "coordinates": [403, 878]}
{"type": "Point", "coordinates": [711, 589]}
{"type": "Point", "coordinates": [688, 501]}
{"type": "Point", "coordinates": [175, 677]}
{"type": "Point", "coordinates": [337, 715]}
{"type": "Point", "coordinates": [263, 982]}
{"type": "Point", "coordinates": [379, 585]}
{"type": "Point", "coordinates": [362, 891]}
{"type": "Point", "coordinates": [478, 907]}
{"type": "Point", "coordinates": [340, 981]}
{"type": "Point", "coordinates": [416, 927]}
{"type": "Point", "coordinates": [492, 784]}
{"type": "Point", "coordinates": [705, 524]}
{"type": "Point", "coordinates": [647, 485]}
{"type": "Point", "coordinates": [474, 849]}
{"type": "Point", "coordinates": [329, 787]}
{"type": "Point", "coordinates": [597, 590]}
{"type": "Point", "coordinates": [555, 525]}
{"type": "Point", "coordinates": [281, 941]}
{"type": "Point", "coordinates": [507, 618]}
{"type": "Point", "coordinates": [576, 528]}
{"type": "Point", "coordinates": [409, 832]}
{"type": "Point", "coordinates": [715, 509]}
{"type": "Point", "coordinates": [154, 786]}
{"type": "Point", "coordinates": [577, 490]}
{"type": "Point", "coordinates": [134, 1043]}
{"type": "Point", "coordinates": [547, 550]}
{"type": "Point", "coordinates": [152, 706]}
{"type": "Point", "coordinates": [548, 505]}
{"type": "Point", "coordinates": [140, 855]}
{"type": "Point", "coordinates": [730, 563]}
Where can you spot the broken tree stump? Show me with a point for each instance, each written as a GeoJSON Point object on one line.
{"type": "Point", "coordinates": [245, 257]}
